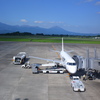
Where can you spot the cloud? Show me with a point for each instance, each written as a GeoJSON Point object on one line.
{"type": "Point", "coordinates": [88, 0]}
{"type": "Point", "coordinates": [23, 20]}
{"type": "Point", "coordinates": [38, 21]}
{"type": "Point", "coordinates": [98, 12]}
{"type": "Point", "coordinates": [97, 3]}
{"type": "Point", "coordinates": [52, 22]}
{"type": "Point", "coordinates": [85, 1]}
{"type": "Point", "coordinates": [56, 22]}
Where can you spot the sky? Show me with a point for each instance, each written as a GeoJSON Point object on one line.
{"type": "Point", "coordinates": [72, 15]}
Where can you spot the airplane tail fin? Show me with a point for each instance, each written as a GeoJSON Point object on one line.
{"type": "Point", "coordinates": [62, 45]}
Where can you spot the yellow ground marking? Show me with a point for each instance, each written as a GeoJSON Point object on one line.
{"type": "Point", "coordinates": [55, 50]}
{"type": "Point", "coordinates": [68, 75]}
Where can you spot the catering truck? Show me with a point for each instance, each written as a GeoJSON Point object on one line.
{"type": "Point", "coordinates": [77, 84]}
{"type": "Point", "coordinates": [19, 58]}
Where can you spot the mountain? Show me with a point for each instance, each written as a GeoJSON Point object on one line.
{"type": "Point", "coordinates": [57, 30]}
{"type": "Point", "coordinates": [4, 28]}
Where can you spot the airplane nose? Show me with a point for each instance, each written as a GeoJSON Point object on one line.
{"type": "Point", "coordinates": [72, 69]}
{"type": "Point", "coordinates": [72, 72]}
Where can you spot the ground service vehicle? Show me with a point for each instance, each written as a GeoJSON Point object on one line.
{"type": "Point", "coordinates": [19, 58]}
{"type": "Point", "coordinates": [26, 65]}
{"type": "Point", "coordinates": [35, 68]}
{"type": "Point", "coordinates": [54, 70]}
{"type": "Point", "coordinates": [77, 84]}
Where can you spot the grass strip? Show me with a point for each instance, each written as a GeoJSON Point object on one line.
{"type": "Point", "coordinates": [50, 40]}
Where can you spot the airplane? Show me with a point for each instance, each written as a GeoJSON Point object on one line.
{"type": "Point", "coordinates": [66, 60]}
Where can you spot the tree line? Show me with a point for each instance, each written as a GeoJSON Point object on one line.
{"type": "Point", "coordinates": [17, 33]}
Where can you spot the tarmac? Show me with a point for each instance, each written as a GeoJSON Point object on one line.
{"type": "Point", "coordinates": [17, 83]}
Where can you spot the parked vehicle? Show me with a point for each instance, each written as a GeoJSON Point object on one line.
{"type": "Point", "coordinates": [26, 65]}
{"type": "Point", "coordinates": [19, 58]}
{"type": "Point", "coordinates": [54, 70]}
{"type": "Point", "coordinates": [77, 84]}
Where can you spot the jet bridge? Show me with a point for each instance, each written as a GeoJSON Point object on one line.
{"type": "Point", "coordinates": [94, 64]}
{"type": "Point", "coordinates": [80, 61]}
{"type": "Point", "coordinates": [90, 65]}
{"type": "Point", "coordinates": [87, 63]}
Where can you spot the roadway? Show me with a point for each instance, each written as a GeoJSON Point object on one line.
{"type": "Point", "coordinates": [20, 84]}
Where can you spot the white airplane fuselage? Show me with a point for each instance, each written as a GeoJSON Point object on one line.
{"type": "Point", "coordinates": [68, 62]}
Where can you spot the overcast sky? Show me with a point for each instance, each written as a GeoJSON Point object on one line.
{"type": "Point", "coordinates": [72, 15]}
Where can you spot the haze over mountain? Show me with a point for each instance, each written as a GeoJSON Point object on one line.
{"type": "Point", "coordinates": [4, 28]}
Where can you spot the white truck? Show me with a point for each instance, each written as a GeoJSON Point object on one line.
{"type": "Point", "coordinates": [53, 70]}
{"type": "Point", "coordinates": [19, 58]}
{"type": "Point", "coordinates": [77, 84]}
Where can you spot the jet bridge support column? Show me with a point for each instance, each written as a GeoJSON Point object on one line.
{"type": "Point", "coordinates": [87, 59]}
{"type": "Point", "coordinates": [95, 53]}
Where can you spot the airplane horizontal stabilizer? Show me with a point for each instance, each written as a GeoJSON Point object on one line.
{"type": "Point", "coordinates": [69, 51]}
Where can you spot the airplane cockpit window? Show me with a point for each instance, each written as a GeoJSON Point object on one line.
{"type": "Point", "coordinates": [74, 63]}
{"type": "Point", "coordinates": [71, 63]}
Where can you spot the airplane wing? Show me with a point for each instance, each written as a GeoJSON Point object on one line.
{"type": "Point", "coordinates": [55, 61]}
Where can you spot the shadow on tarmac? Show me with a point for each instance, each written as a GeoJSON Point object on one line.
{"type": "Point", "coordinates": [81, 72]}
{"type": "Point", "coordinates": [27, 59]}
{"type": "Point", "coordinates": [20, 99]}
